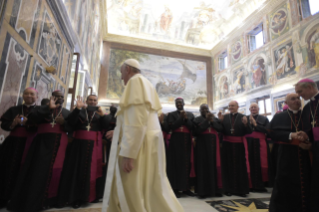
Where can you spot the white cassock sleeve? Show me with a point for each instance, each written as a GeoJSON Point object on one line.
{"type": "Point", "coordinates": [134, 130]}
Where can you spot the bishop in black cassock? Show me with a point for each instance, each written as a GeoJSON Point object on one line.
{"type": "Point", "coordinates": [38, 181]}
{"type": "Point", "coordinates": [207, 154]}
{"type": "Point", "coordinates": [291, 190]}
{"type": "Point", "coordinates": [308, 90]}
{"type": "Point", "coordinates": [259, 154]}
{"type": "Point", "coordinates": [16, 145]}
{"type": "Point", "coordinates": [165, 129]}
{"type": "Point", "coordinates": [235, 165]}
{"type": "Point", "coordinates": [179, 163]}
{"type": "Point", "coordinates": [81, 180]}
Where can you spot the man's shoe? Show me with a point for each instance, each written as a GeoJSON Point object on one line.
{"type": "Point", "coordinates": [76, 204]}
{"type": "Point", "coordinates": [228, 194]}
{"type": "Point", "coordinates": [189, 193]}
{"type": "Point", "coordinates": [177, 194]}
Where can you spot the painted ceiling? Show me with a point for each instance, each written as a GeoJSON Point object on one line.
{"type": "Point", "coordinates": [194, 23]}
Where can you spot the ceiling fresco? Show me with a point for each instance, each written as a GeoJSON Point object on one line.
{"type": "Point", "coordinates": [201, 24]}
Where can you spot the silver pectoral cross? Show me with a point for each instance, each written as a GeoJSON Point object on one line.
{"type": "Point", "coordinates": [53, 123]}
{"type": "Point", "coordinates": [88, 127]}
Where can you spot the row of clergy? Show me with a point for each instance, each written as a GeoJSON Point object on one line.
{"type": "Point", "coordinates": [40, 169]}
{"type": "Point", "coordinates": [244, 163]}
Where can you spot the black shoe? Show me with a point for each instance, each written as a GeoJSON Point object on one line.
{"type": "Point", "coordinates": [177, 194]}
{"type": "Point", "coordinates": [241, 195]}
{"type": "Point", "coordinates": [76, 204]}
{"type": "Point", "coordinates": [95, 201]}
{"type": "Point", "coordinates": [218, 195]}
{"type": "Point", "coordinates": [252, 190]}
{"type": "Point", "coordinates": [202, 196]}
{"type": "Point", "coordinates": [189, 193]}
{"type": "Point", "coordinates": [262, 190]}
{"type": "Point", "coordinates": [228, 194]}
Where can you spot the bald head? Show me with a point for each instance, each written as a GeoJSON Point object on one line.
{"type": "Point", "coordinates": [30, 96]}
{"type": "Point", "coordinates": [233, 106]}
{"type": "Point", "coordinates": [254, 109]}
{"type": "Point", "coordinates": [293, 101]}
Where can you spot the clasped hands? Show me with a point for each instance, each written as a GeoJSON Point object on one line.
{"type": "Point", "coordinates": [183, 114]}
{"type": "Point", "coordinates": [17, 120]}
{"type": "Point", "coordinates": [244, 120]}
{"type": "Point", "coordinates": [303, 138]}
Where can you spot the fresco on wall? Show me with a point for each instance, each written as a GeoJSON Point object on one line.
{"type": "Point", "coordinates": [258, 73]}
{"type": "Point", "coordinates": [222, 90]}
{"type": "Point", "coordinates": [236, 51]}
{"type": "Point", "coordinates": [313, 48]}
{"type": "Point", "coordinates": [14, 66]}
{"type": "Point", "coordinates": [43, 82]}
{"type": "Point", "coordinates": [284, 61]}
{"type": "Point", "coordinates": [192, 23]}
{"type": "Point", "coordinates": [50, 43]}
{"type": "Point", "coordinates": [239, 81]}
{"type": "Point", "coordinates": [172, 77]}
{"type": "Point", "coordinates": [278, 22]}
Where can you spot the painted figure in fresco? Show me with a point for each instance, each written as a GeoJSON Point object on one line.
{"type": "Point", "coordinates": [259, 73]}
{"type": "Point", "coordinates": [284, 61]}
{"type": "Point", "coordinates": [223, 87]}
{"type": "Point", "coordinates": [313, 49]}
{"type": "Point", "coordinates": [166, 19]}
{"type": "Point", "coordinates": [278, 22]}
{"type": "Point", "coordinates": [51, 47]}
{"type": "Point", "coordinates": [239, 84]}
{"type": "Point", "coordinates": [236, 50]}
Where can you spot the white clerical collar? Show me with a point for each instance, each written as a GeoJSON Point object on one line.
{"type": "Point", "coordinates": [29, 105]}
{"type": "Point", "coordinates": [234, 113]}
{"type": "Point", "coordinates": [294, 111]}
{"type": "Point", "coordinates": [314, 97]}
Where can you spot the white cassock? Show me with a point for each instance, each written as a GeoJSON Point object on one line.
{"type": "Point", "coordinates": [138, 135]}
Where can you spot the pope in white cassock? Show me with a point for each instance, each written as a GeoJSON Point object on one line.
{"type": "Point", "coordinates": [136, 178]}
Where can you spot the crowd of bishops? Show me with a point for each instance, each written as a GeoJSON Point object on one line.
{"type": "Point", "coordinates": [55, 158]}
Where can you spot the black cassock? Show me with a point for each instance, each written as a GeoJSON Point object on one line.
{"type": "Point", "coordinates": [14, 148]}
{"type": "Point", "coordinates": [259, 154]}
{"type": "Point", "coordinates": [292, 182]}
{"type": "Point", "coordinates": [38, 181]}
{"type": "Point", "coordinates": [207, 157]}
{"type": "Point", "coordinates": [82, 171]}
{"type": "Point", "coordinates": [234, 169]}
{"type": "Point", "coordinates": [311, 110]}
{"type": "Point", "coordinates": [166, 132]}
{"type": "Point", "coordinates": [179, 151]}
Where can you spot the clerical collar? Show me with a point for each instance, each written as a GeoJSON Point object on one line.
{"type": "Point", "coordinates": [29, 105]}
{"type": "Point", "coordinates": [314, 97]}
{"type": "Point", "coordinates": [294, 111]}
{"type": "Point", "coordinates": [234, 113]}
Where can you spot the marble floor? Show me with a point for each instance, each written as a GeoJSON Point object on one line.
{"type": "Point", "coordinates": [190, 204]}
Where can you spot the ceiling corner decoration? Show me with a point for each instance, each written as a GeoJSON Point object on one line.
{"type": "Point", "coordinates": [200, 24]}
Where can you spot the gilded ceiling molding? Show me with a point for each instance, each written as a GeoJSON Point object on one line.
{"type": "Point", "coordinates": [265, 9]}
{"type": "Point", "coordinates": [156, 45]}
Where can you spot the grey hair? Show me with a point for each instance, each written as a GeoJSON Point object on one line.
{"type": "Point", "coordinates": [305, 84]}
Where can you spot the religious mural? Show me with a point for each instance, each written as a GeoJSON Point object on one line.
{"type": "Point", "coordinates": [258, 75]}
{"type": "Point", "coordinates": [172, 77]}
{"type": "Point", "coordinates": [236, 51]}
{"type": "Point", "coordinates": [279, 102]}
{"type": "Point", "coordinates": [239, 81]}
{"type": "Point", "coordinates": [313, 48]}
{"type": "Point", "coordinates": [196, 23]}
{"type": "Point", "coordinates": [278, 22]}
{"type": "Point", "coordinates": [50, 43]}
{"type": "Point", "coordinates": [284, 61]}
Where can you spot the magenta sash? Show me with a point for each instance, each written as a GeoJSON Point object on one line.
{"type": "Point", "coordinates": [239, 139]}
{"type": "Point", "coordinates": [263, 153]}
{"type": "Point", "coordinates": [166, 137]}
{"type": "Point", "coordinates": [218, 163]}
{"type": "Point", "coordinates": [97, 157]}
{"type": "Point", "coordinates": [184, 129]}
{"type": "Point", "coordinates": [58, 159]}
{"type": "Point", "coordinates": [315, 132]}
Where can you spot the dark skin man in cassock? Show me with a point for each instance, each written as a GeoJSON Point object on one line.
{"type": "Point", "coordinates": [259, 154]}
{"type": "Point", "coordinates": [15, 146]}
{"type": "Point", "coordinates": [207, 154]}
{"type": "Point", "coordinates": [179, 166]}
{"type": "Point", "coordinates": [81, 180]}
{"type": "Point", "coordinates": [234, 151]}
{"type": "Point", "coordinates": [308, 90]}
{"type": "Point", "coordinates": [291, 190]}
{"type": "Point", "coordinates": [38, 181]}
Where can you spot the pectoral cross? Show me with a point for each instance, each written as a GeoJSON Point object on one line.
{"type": "Point", "coordinates": [232, 131]}
{"type": "Point", "coordinates": [182, 128]}
{"type": "Point", "coordinates": [88, 127]}
{"type": "Point", "coordinates": [53, 123]}
{"type": "Point", "coordinates": [313, 123]}
{"type": "Point", "coordinates": [209, 129]}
